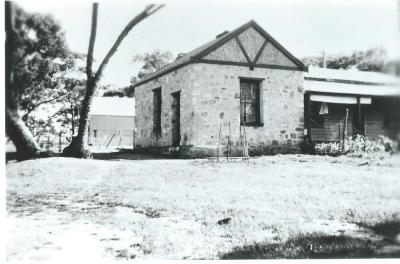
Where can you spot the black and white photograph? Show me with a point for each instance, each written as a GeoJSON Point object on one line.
{"type": "Point", "coordinates": [201, 130]}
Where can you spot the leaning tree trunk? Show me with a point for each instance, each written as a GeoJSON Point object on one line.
{"type": "Point", "coordinates": [27, 147]}
{"type": "Point", "coordinates": [78, 147]}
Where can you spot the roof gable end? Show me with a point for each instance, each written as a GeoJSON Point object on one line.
{"type": "Point", "coordinates": [256, 46]}
{"type": "Point", "coordinates": [233, 48]}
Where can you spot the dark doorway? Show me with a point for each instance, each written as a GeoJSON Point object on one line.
{"type": "Point", "coordinates": [176, 119]}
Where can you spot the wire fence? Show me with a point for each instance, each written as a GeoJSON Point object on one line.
{"type": "Point", "coordinates": [103, 141]}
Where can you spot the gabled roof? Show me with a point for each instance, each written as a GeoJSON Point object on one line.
{"type": "Point", "coordinates": [196, 54]}
{"type": "Point", "coordinates": [113, 106]}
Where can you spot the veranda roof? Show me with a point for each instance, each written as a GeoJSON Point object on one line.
{"type": "Point", "coordinates": [354, 76]}
{"type": "Point", "coordinates": [351, 82]}
{"type": "Point", "coordinates": [355, 89]}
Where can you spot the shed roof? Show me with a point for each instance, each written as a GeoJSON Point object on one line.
{"type": "Point", "coordinates": [113, 106]}
{"type": "Point", "coordinates": [354, 89]}
{"type": "Point", "coordinates": [194, 55]}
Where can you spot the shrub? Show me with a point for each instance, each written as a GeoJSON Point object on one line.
{"type": "Point", "coordinates": [332, 149]}
{"type": "Point", "coordinates": [357, 145]}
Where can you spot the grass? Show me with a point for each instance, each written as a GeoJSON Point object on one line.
{"type": "Point", "coordinates": [322, 246]}
{"type": "Point", "coordinates": [178, 209]}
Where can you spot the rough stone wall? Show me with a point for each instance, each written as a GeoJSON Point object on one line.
{"type": "Point", "coordinates": [227, 52]}
{"type": "Point", "coordinates": [216, 98]}
{"type": "Point", "coordinates": [271, 55]}
{"type": "Point", "coordinates": [210, 97]}
{"type": "Point", "coordinates": [252, 41]}
{"type": "Point", "coordinates": [178, 80]}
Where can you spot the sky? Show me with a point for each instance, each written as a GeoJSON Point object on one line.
{"type": "Point", "coordinates": [304, 27]}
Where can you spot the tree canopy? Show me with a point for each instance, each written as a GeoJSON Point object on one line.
{"type": "Point", "coordinates": [373, 59]}
{"type": "Point", "coordinates": [152, 62]}
{"type": "Point", "coordinates": [115, 93]}
{"type": "Point", "coordinates": [43, 64]}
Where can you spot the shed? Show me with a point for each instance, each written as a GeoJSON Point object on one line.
{"type": "Point", "coordinates": [112, 122]}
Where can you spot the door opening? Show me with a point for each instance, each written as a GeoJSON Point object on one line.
{"type": "Point", "coordinates": [176, 119]}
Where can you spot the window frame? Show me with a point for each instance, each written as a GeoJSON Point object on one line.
{"type": "Point", "coordinates": [258, 82]}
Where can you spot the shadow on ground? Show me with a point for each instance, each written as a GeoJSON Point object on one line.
{"type": "Point", "coordinates": [131, 155]}
{"type": "Point", "coordinates": [387, 245]}
{"type": "Point", "coordinates": [114, 155]}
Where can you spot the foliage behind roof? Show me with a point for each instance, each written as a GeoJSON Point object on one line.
{"type": "Point", "coordinates": [203, 50]}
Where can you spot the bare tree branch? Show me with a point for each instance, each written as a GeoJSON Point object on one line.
{"type": "Point", "coordinates": [155, 9]}
{"type": "Point", "coordinates": [149, 10]}
{"type": "Point", "coordinates": [31, 109]}
{"type": "Point", "coordinates": [89, 59]}
{"type": "Point", "coordinates": [78, 146]}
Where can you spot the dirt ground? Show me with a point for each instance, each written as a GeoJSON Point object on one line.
{"type": "Point", "coordinates": [72, 209]}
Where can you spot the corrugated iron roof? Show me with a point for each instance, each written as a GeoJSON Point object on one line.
{"type": "Point", "coordinates": [113, 106]}
{"type": "Point", "coordinates": [356, 82]}
{"type": "Point", "coordinates": [348, 88]}
{"type": "Point", "coordinates": [324, 74]}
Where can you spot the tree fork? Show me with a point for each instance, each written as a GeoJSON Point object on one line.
{"type": "Point", "coordinates": [78, 147]}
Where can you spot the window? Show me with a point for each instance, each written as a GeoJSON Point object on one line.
{"type": "Point", "coordinates": [157, 111]}
{"type": "Point", "coordinates": [95, 133]}
{"type": "Point", "coordinates": [250, 102]}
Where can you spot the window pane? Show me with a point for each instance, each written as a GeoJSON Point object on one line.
{"type": "Point", "coordinates": [251, 113]}
{"type": "Point", "coordinates": [249, 92]}
{"type": "Point", "coordinates": [249, 106]}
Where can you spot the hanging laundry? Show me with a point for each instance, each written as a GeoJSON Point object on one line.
{"type": "Point", "coordinates": [324, 109]}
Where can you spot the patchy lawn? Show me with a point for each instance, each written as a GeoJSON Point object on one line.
{"type": "Point", "coordinates": [269, 207]}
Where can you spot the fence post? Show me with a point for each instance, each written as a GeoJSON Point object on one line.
{"type": "Point", "coordinates": [59, 142]}
{"type": "Point", "coordinates": [48, 143]}
{"type": "Point", "coordinates": [345, 128]}
{"type": "Point", "coordinates": [134, 135]}
{"type": "Point", "coordinates": [219, 140]}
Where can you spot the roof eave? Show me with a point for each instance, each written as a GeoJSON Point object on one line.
{"type": "Point", "coordinates": [222, 41]}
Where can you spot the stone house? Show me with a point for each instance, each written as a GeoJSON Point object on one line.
{"type": "Point", "coordinates": [241, 87]}
{"type": "Point", "coordinates": [112, 122]}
